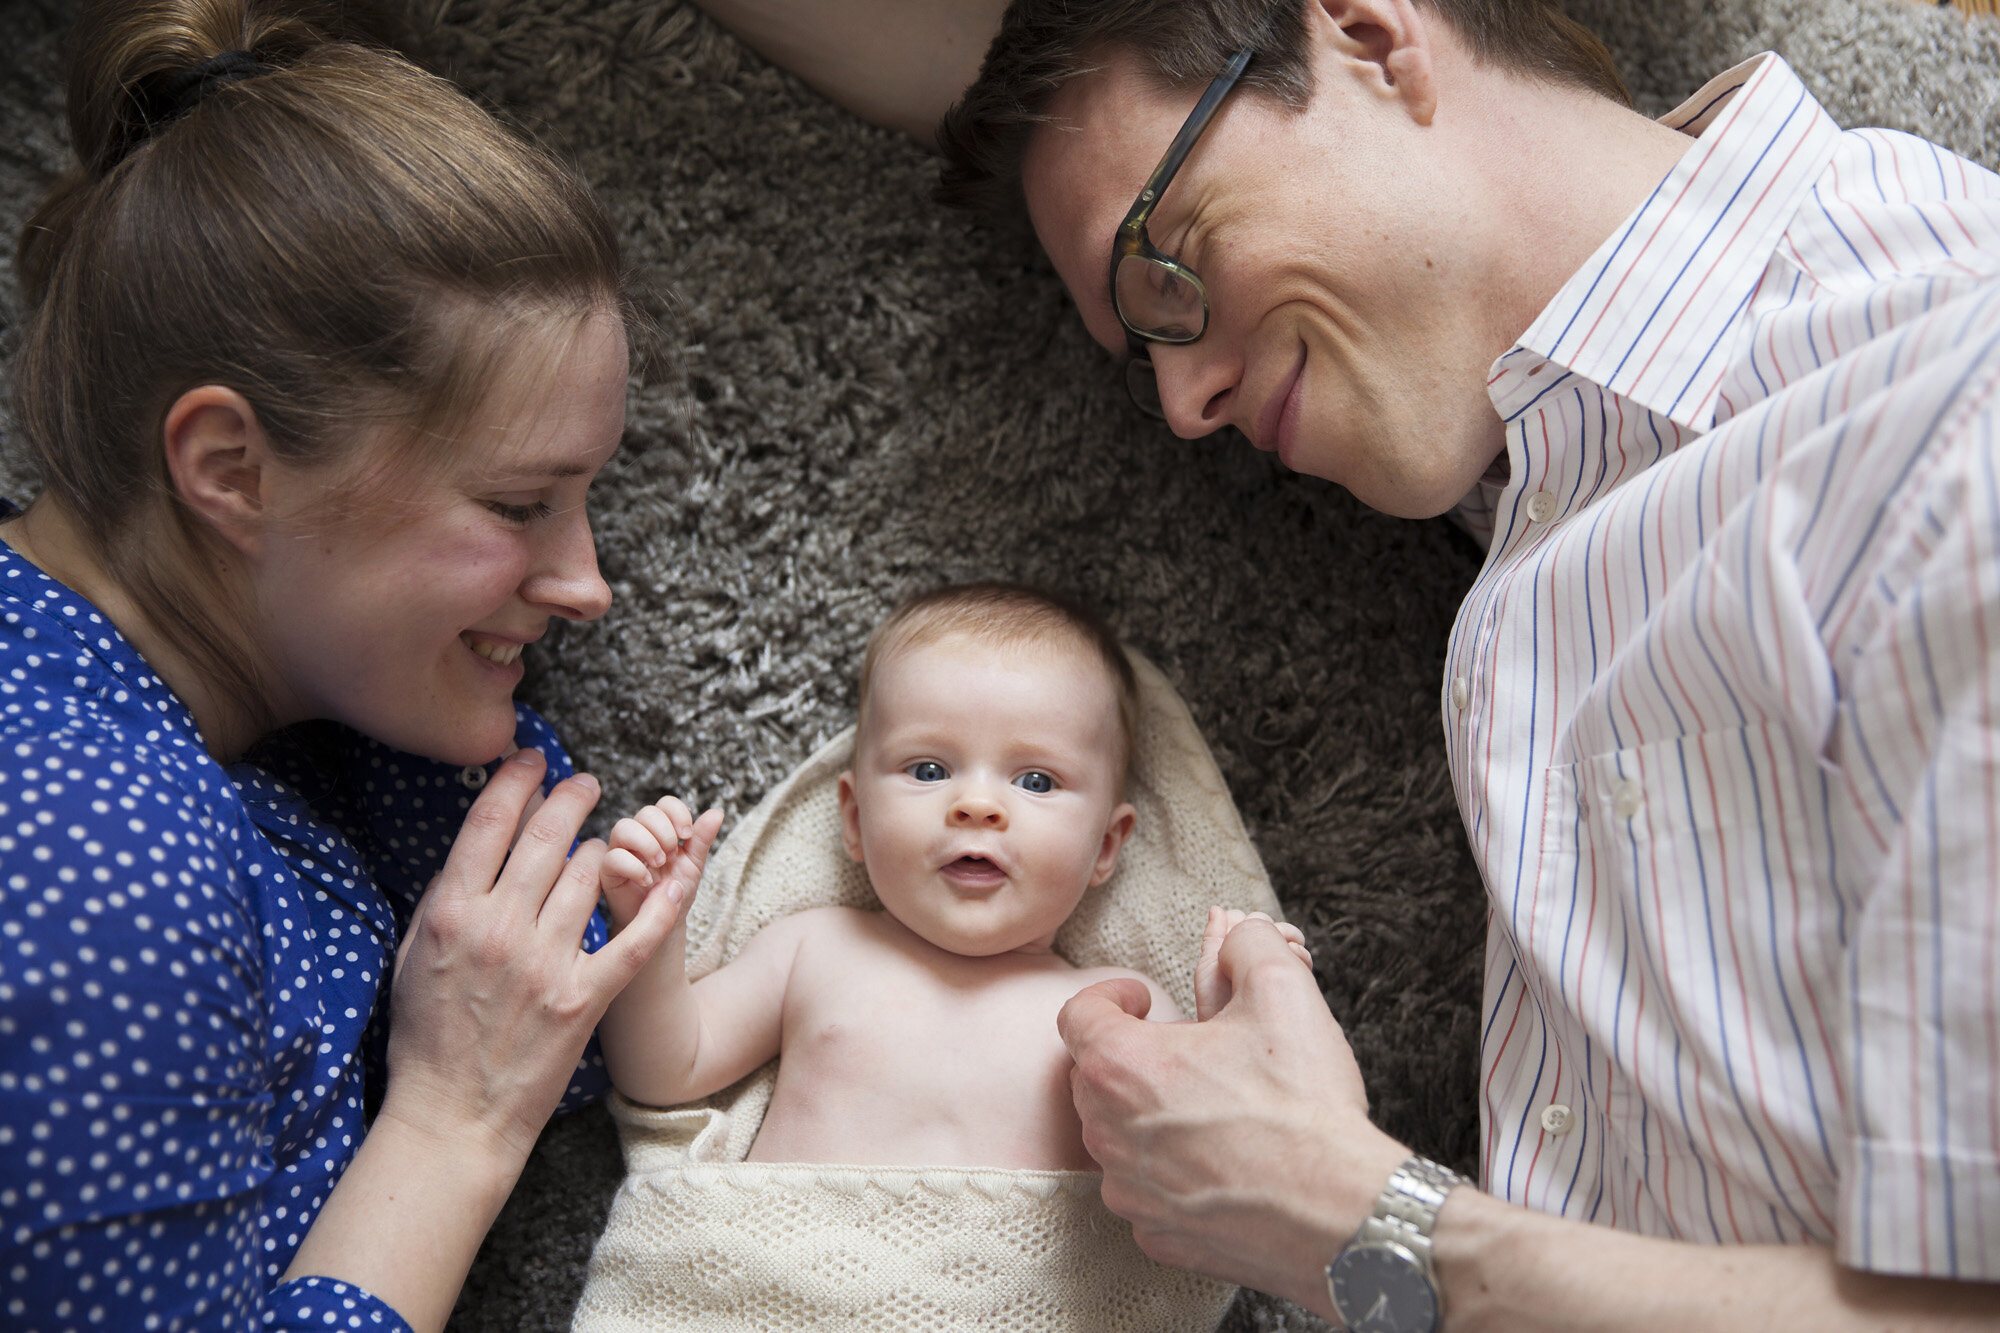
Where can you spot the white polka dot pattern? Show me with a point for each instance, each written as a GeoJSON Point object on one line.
{"type": "Point", "coordinates": [190, 963]}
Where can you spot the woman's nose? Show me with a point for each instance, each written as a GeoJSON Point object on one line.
{"type": "Point", "coordinates": [565, 579]}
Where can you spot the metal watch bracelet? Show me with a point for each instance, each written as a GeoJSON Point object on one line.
{"type": "Point", "coordinates": [1398, 1233]}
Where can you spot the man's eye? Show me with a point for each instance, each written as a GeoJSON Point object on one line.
{"type": "Point", "coordinates": [1039, 783]}
{"type": "Point", "coordinates": [927, 770]}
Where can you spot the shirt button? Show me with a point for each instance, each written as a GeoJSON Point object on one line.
{"type": "Point", "coordinates": [1461, 692]}
{"type": "Point", "coordinates": [1541, 507]}
{"type": "Point", "coordinates": [472, 777]}
{"type": "Point", "coordinates": [1626, 798]}
{"type": "Point", "coordinates": [1557, 1118]}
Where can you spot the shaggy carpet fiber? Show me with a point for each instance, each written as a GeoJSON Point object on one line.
{"type": "Point", "coordinates": [859, 397]}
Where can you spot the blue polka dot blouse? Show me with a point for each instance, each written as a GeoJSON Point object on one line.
{"type": "Point", "coordinates": [192, 1014]}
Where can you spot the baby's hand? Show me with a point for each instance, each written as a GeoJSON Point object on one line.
{"type": "Point", "coordinates": [1211, 987]}
{"type": "Point", "coordinates": [661, 846]}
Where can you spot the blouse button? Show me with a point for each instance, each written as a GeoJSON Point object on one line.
{"type": "Point", "coordinates": [1461, 692]}
{"type": "Point", "coordinates": [1541, 507]}
{"type": "Point", "coordinates": [472, 777]}
{"type": "Point", "coordinates": [1626, 797]}
{"type": "Point", "coordinates": [1557, 1118]}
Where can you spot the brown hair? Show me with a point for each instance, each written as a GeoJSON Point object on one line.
{"type": "Point", "coordinates": [340, 237]}
{"type": "Point", "coordinates": [1043, 44]}
{"type": "Point", "coordinates": [1007, 614]}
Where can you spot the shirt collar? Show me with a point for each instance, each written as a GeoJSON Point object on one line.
{"type": "Point", "coordinates": [1648, 317]}
{"type": "Point", "coordinates": [34, 593]}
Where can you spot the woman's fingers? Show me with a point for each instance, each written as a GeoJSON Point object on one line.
{"type": "Point", "coordinates": [482, 845]}
{"type": "Point", "coordinates": [609, 969]}
{"type": "Point", "coordinates": [573, 896]}
{"type": "Point", "coordinates": [543, 849]}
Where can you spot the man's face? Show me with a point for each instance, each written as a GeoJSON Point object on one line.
{"type": "Point", "coordinates": [1345, 328]}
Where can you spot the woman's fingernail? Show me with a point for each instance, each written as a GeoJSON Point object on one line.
{"type": "Point", "coordinates": [527, 754]}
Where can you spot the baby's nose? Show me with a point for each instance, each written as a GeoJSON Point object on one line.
{"type": "Point", "coordinates": [976, 809]}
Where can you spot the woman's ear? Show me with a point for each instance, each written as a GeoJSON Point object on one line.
{"type": "Point", "coordinates": [219, 461]}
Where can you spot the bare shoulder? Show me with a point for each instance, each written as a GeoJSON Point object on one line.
{"type": "Point", "coordinates": [1164, 1009]}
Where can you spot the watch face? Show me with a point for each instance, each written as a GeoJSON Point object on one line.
{"type": "Point", "coordinates": [1382, 1288]}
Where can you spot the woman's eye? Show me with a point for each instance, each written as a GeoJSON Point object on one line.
{"type": "Point", "coordinates": [1039, 783]}
{"type": "Point", "coordinates": [927, 770]}
{"type": "Point", "coordinates": [520, 514]}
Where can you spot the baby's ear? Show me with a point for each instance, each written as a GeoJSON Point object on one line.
{"type": "Point", "coordinates": [1115, 833]}
{"type": "Point", "coordinates": [850, 816]}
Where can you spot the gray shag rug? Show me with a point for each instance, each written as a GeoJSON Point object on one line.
{"type": "Point", "coordinates": [863, 398]}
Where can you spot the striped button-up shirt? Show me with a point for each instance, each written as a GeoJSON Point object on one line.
{"type": "Point", "coordinates": [1723, 707]}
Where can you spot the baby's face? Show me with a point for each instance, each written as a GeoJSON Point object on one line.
{"type": "Point", "coordinates": [984, 796]}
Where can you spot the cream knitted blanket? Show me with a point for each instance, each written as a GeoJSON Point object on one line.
{"type": "Point", "coordinates": [699, 1238]}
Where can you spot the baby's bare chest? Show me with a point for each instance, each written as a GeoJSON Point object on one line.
{"type": "Point", "coordinates": [955, 1036]}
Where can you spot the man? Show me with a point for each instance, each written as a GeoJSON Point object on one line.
{"type": "Point", "coordinates": [1720, 392]}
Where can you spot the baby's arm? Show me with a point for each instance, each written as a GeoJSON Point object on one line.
{"type": "Point", "coordinates": [1211, 987]}
{"type": "Point", "coordinates": [666, 1041]}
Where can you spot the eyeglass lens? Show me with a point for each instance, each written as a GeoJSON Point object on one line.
{"type": "Point", "coordinates": [1160, 300]}
{"type": "Point", "coordinates": [1144, 386]}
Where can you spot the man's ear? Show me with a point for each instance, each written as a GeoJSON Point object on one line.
{"type": "Point", "coordinates": [219, 461]}
{"type": "Point", "coordinates": [850, 816]}
{"type": "Point", "coordinates": [1115, 833]}
{"type": "Point", "coordinates": [1387, 44]}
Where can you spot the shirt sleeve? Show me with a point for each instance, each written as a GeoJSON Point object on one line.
{"type": "Point", "coordinates": [1918, 866]}
{"type": "Point", "coordinates": [135, 1080]}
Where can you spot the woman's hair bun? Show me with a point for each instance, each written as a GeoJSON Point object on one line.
{"type": "Point", "coordinates": [125, 56]}
{"type": "Point", "coordinates": [128, 65]}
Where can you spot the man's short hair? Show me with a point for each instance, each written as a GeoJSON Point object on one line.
{"type": "Point", "coordinates": [1043, 44]}
{"type": "Point", "coordinates": [1007, 615]}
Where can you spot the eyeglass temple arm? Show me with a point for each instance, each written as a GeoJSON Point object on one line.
{"type": "Point", "coordinates": [1184, 142]}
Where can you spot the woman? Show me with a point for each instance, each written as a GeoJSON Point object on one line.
{"type": "Point", "coordinates": [320, 367]}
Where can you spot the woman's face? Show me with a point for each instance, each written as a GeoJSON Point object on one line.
{"type": "Point", "coordinates": [405, 616]}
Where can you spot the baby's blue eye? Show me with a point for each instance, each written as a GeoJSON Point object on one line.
{"type": "Point", "coordinates": [927, 770]}
{"type": "Point", "coordinates": [1039, 783]}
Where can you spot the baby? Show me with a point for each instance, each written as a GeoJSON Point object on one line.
{"type": "Point", "coordinates": [986, 796]}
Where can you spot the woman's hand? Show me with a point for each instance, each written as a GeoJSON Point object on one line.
{"type": "Point", "coordinates": [494, 998]}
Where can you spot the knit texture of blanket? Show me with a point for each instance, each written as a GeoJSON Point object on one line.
{"type": "Point", "coordinates": [862, 397]}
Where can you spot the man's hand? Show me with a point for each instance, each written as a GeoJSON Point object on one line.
{"type": "Point", "coordinates": [1211, 985]}
{"type": "Point", "coordinates": [1239, 1146]}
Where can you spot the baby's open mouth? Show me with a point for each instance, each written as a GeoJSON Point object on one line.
{"type": "Point", "coordinates": [975, 871]}
{"type": "Point", "coordinates": [493, 650]}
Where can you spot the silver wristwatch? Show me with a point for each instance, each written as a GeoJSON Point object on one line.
{"type": "Point", "coordinates": [1382, 1281]}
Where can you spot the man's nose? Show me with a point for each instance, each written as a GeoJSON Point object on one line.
{"type": "Point", "coordinates": [1197, 383]}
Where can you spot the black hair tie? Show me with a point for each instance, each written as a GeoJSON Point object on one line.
{"type": "Point", "coordinates": [166, 102]}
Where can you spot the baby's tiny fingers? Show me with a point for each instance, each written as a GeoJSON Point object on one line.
{"type": "Point", "coordinates": [665, 837]}
{"type": "Point", "coordinates": [1292, 934]}
{"type": "Point", "coordinates": [621, 864]}
{"type": "Point", "coordinates": [677, 812]}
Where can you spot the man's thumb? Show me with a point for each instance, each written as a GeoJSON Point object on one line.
{"type": "Point", "coordinates": [1097, 1009]}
